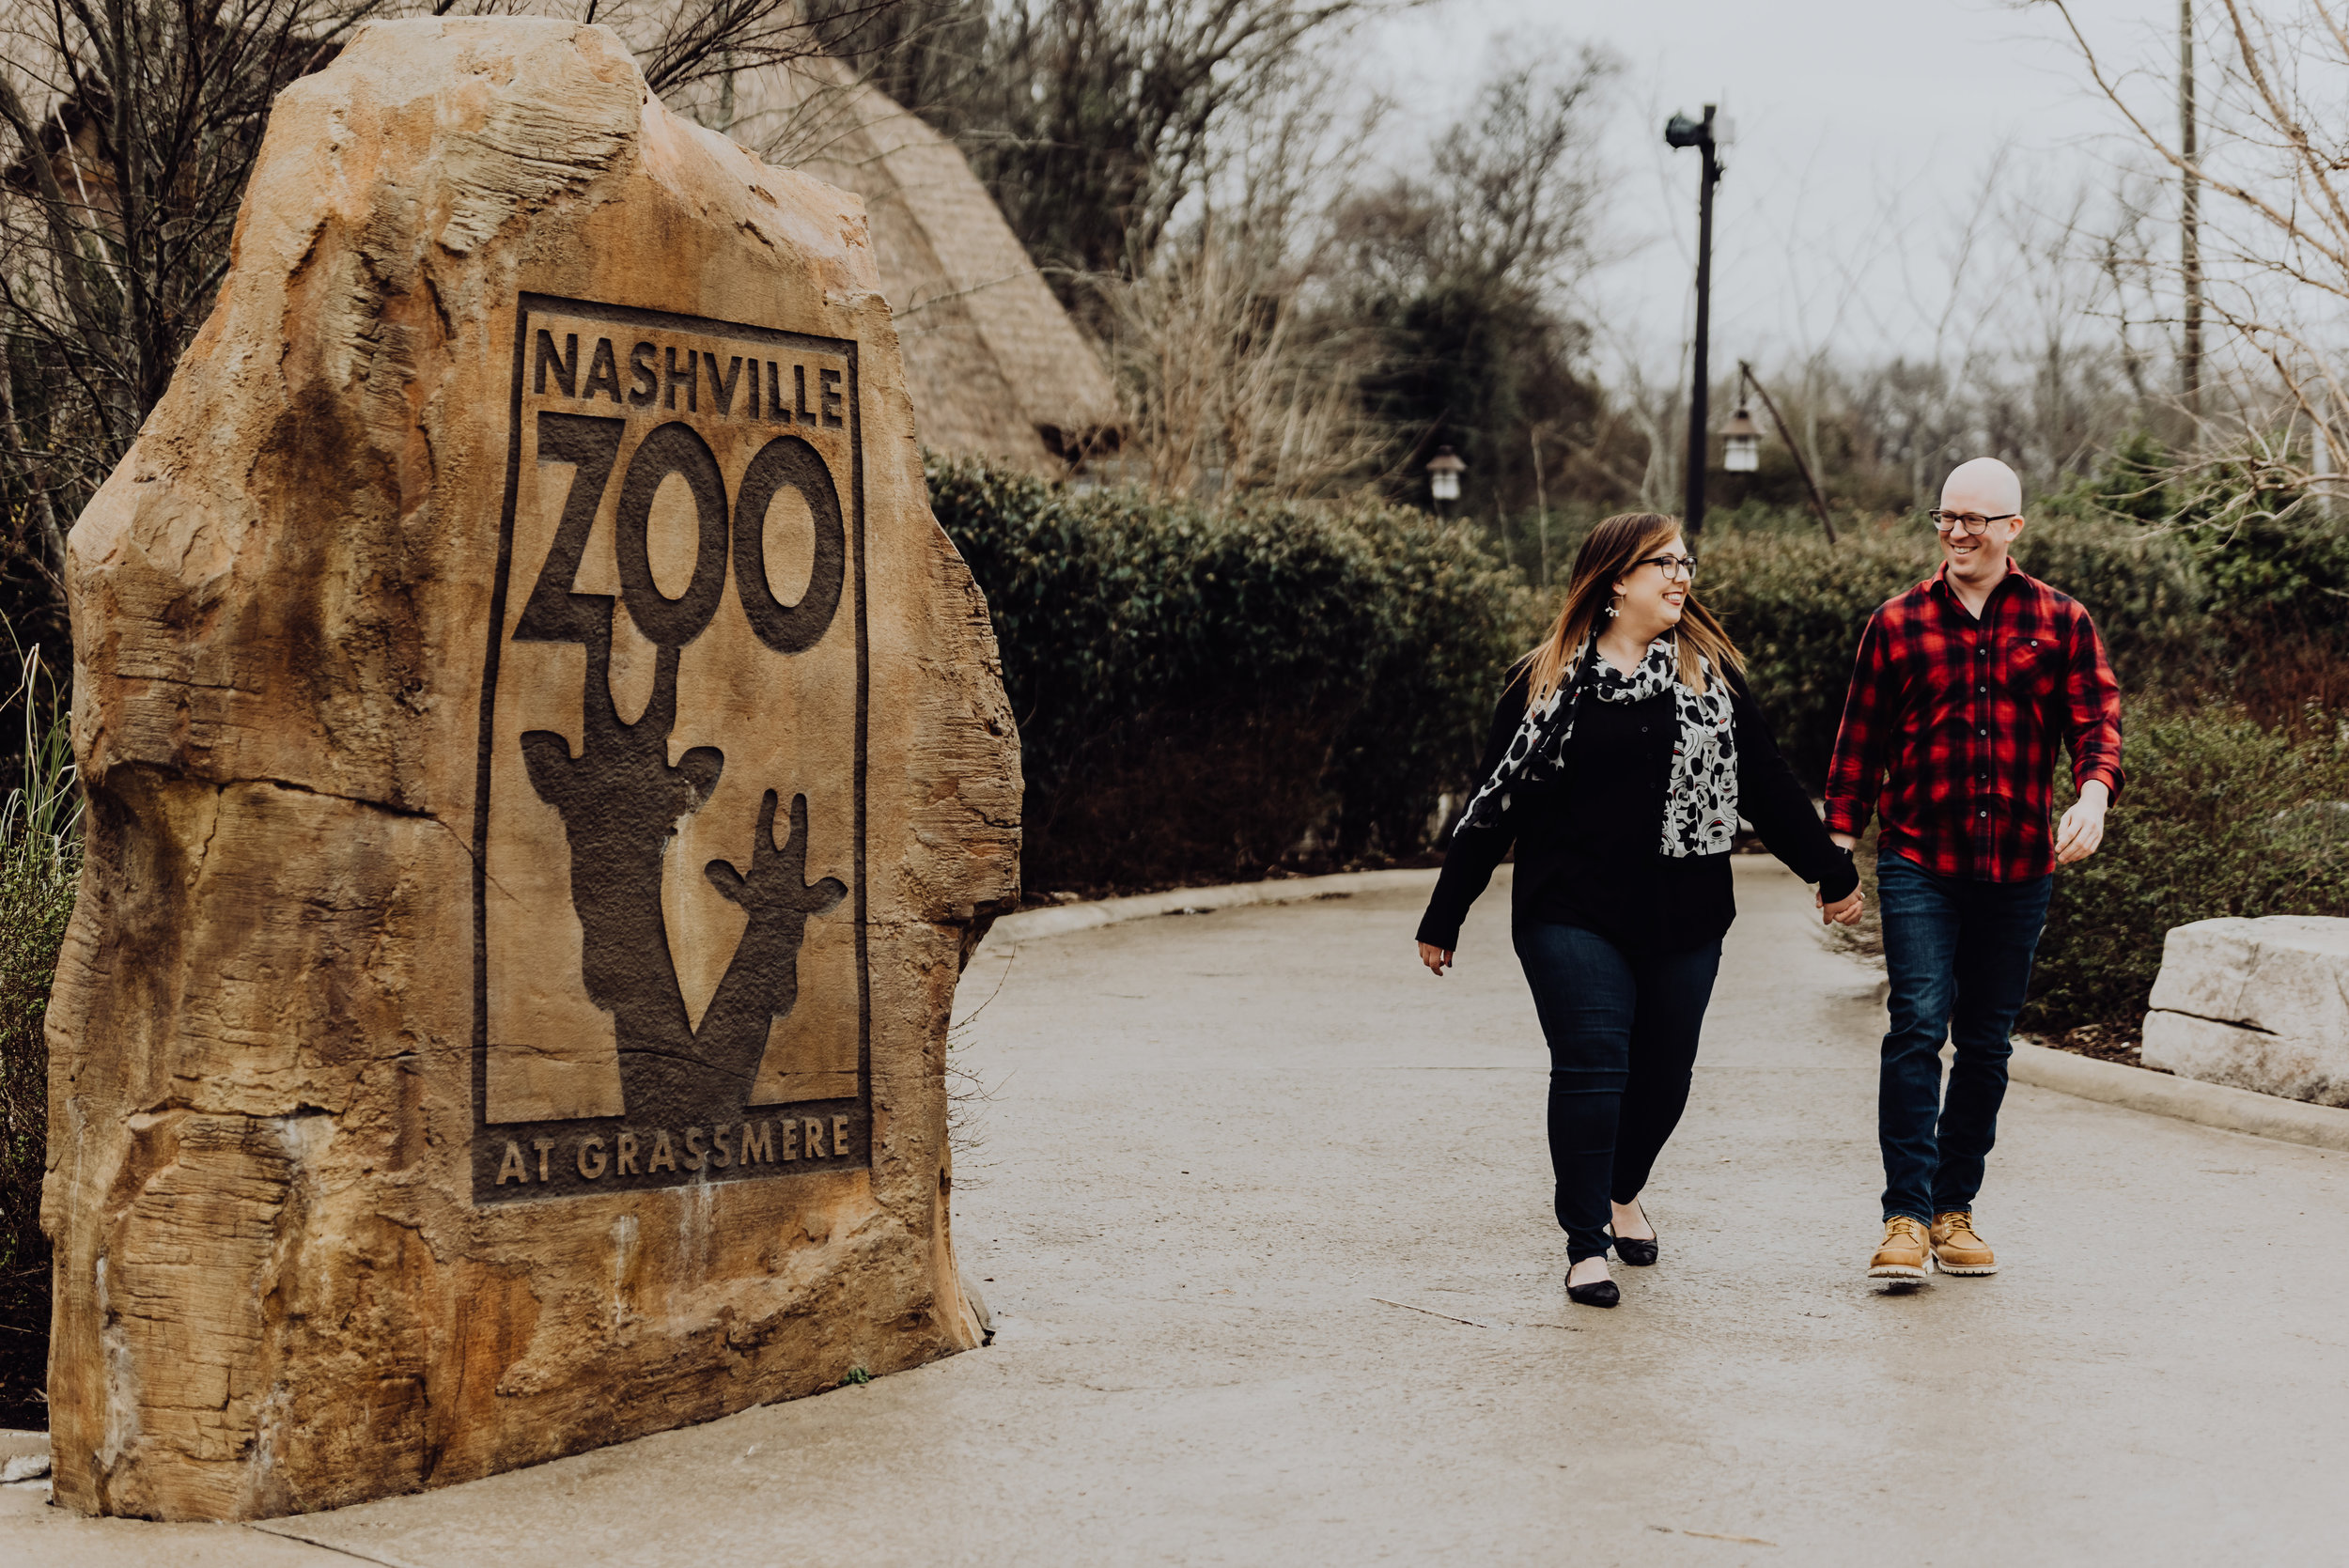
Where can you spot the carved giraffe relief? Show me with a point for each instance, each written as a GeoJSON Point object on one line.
{"type": "Point", "coordinates": [669, 847]}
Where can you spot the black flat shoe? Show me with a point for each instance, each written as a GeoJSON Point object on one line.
{"type": "Point", "coordinates": [1637, 1253]}
{"type": "Point", "coordinates": [1602, 1294]}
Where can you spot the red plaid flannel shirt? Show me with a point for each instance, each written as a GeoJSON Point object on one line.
{"type": "Point", "coordinates": [1964, 716]}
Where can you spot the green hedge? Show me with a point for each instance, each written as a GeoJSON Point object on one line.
{"type": "Point", "coordinates": [2220, 816]}
{"type": "Point", "coordinates": [1200, 690]}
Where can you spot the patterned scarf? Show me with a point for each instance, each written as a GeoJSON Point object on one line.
{"type": "Point", "coordinates": [1700, 810]}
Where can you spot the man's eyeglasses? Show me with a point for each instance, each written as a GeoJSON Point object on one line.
{"type": "Point", "coordinates": [1968, 522]}
{"type": "Point", "coordinates": [1670, 565]}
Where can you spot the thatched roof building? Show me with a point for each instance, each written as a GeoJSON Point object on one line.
{"type": "Point", "coordinates": [994, 363]}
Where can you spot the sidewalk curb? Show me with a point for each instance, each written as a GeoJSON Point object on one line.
{"type": "Point", "coordinates": [1030, 923]}
{"type": "Point", "coordinates": [2213, 1105]}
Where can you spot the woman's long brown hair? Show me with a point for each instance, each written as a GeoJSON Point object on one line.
{"type": "Point", "coordinates": [1609, 553]}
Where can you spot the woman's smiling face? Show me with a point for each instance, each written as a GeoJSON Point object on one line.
{"type": "Point", "coordinates": [1652, 596]}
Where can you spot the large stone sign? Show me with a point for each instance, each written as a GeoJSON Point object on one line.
{"type": "Point", "coordinates": [546, 769]}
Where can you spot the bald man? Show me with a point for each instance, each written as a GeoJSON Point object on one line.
{"type": "Point", "coordinates": [1963, 689]}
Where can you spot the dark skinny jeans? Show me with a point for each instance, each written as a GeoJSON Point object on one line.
{"type": "Point", "coordinates": [1623, 1038]}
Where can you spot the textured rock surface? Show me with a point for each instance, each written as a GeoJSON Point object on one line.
{"type": "Point", "coordinates": [2258, 1003]}
{"type": "Point", "coordinates": [546, 767]}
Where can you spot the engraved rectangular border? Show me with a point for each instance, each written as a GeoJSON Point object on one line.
{"type": "Point", "coordinates": [480, 1157]}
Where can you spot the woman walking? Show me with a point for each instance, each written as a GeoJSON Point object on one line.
{"type": "Point", "coordinates": [1623, 750]}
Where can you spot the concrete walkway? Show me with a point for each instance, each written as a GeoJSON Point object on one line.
{"type": "Point", "coordinates": [1261, 1209]}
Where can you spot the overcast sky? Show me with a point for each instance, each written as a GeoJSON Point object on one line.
{"type": "Point", "coordinates": [1864, 129]}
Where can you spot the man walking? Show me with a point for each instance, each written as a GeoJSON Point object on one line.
{"type": "Point", "coordinates": [1963, 689]}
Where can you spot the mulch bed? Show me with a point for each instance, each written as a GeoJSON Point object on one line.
{"type": "Point", "coordinates": [2106, 1042]}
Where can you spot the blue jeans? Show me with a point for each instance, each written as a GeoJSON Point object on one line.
{"type": "Point", "coordinates": [1958, 953]}
{"type": "Point", "coordinates": [1623, 1038]}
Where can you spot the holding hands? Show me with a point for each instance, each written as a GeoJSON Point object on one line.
{"type": "Point", "coordinates": [1847, 912]}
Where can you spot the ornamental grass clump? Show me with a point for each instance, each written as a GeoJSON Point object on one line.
{"type": "Point", "coordinates": [39, 859]}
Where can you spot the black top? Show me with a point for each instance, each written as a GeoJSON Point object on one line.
{"type": "Point", "coordinates": [1589, 841]}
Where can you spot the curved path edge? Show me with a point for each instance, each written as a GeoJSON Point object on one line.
{"type": "Point", "coordinates": [1063, 918]}
{"type": "Point", "coordinates": [2212, 1105]}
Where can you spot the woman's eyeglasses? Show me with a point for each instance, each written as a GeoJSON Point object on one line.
{"type": "Point", "coordinates": [1672, 565]}
{"type": "Point", "coordinates": [1968, 522]}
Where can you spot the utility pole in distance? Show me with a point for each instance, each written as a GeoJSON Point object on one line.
{"type": "Point", "coordinates": [2190, 223]}
{"type": "Point", "coordinates": [1683, 132]}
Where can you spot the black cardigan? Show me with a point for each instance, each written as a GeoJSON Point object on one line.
{"type": "Point", "coordinates": [1587, 843]}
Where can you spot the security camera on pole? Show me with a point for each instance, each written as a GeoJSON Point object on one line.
{"type": "Point", "coordinates": [1707, 135]}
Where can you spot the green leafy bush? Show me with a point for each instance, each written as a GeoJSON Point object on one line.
{"type": "Point", "coordinates": [2266, 550]}
{"type": "Point", "coordinates": [1796, 606]}
{"type": "Point", "coordinates": [1199, 688]}
{"type": "Point", "coordinates": [2271, 565]}
{"type": "Point", "coordinates": [2222, 816]}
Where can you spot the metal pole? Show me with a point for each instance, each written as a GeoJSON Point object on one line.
{"type": "Point", "coordinates": [1746, 373]}
{"type": "Point", "coordinates": [2190, 223]}
{"type": "Point", "coordinates": [1541, 500]}
{"type": "Point", "coordinates": [1692, 513]}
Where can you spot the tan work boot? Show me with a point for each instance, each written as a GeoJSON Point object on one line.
{"type": "Point", "coordinates": [1902, 1254]}
{"type": "Point", "coordinates": [1956, 1248]}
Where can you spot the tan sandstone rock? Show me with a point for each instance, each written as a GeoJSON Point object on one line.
{"type": "Point", "coordinates": [546, 769]}
{"type": "Point", "coordinates": [2259, 1004]}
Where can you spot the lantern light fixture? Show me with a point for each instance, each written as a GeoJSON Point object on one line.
{"type": "Point", "coordinates": [1443, 475]}
{"type": "Point", "coordinates": [1741, 444]}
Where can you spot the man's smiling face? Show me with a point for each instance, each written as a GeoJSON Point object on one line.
{"type": "Point", "coordinates": [1985, 487]}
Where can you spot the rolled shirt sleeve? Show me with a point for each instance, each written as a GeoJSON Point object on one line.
{"type": "Point", "coordinates": [2092, 711]}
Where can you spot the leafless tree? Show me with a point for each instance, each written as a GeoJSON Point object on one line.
{"type": "Point", "coordinates": [2033, 318]}
{"type": "Point", "coordinates": [130, 126]}
{"type": "Point", "coordinates": [2267, 167]}
{"type": "Point", "coordinates": [1467, 274]}
{"type": "Point", "coordinates": [1097, 123]}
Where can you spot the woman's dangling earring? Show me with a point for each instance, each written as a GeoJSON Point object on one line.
{"type": "Point", "coordinates": [1612, 612]}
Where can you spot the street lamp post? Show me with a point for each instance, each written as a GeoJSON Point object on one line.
{"type": "Point", "coordinates": [1701, 134]}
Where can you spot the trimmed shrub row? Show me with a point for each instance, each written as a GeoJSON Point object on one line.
{"type": "Point", "coordinates": [1201, 690]}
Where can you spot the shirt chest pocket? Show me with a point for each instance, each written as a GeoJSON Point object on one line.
{"type": "Point", "coordinates": [2034, 667]}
